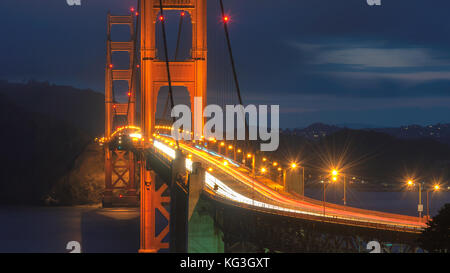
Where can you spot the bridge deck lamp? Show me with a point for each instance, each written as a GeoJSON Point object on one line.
{"type": "Point", "coordinates": [334, 172]}
{"type": "Point", "coordinates": [263, 170]}
{"type": "Point", "coordinates": [411, 183]}
{"type": "Point", "coordinates": [436, 187]}
{"type": "Point", "coordinates": [275, 164]}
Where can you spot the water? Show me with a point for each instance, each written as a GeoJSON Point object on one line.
{"type": "Point", "coordinates": [394, 202]}
{"type": "Point", "coordinates": [49, 229]}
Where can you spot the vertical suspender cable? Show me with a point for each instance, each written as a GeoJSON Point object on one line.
{"type": "Point", "coordinates": [233, 66]}
{"type": "Point", "coordinates": [180, 27]}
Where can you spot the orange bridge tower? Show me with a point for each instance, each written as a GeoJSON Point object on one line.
{"type": "Point", "coordinates": [190, 73]}
{"type": "Point", "coordinates": [120, 186]}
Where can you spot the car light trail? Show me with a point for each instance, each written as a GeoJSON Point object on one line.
{"type": "Point", "coordinates": [303, 207]}
{"type": "Point", "coordinates": [164, 148]}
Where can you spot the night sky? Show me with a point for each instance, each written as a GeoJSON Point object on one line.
{"type": "Point", "coordinates": [338, 62]}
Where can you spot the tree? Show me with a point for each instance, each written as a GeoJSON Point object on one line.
{"type": "Point", "coordinates": [436, 237]}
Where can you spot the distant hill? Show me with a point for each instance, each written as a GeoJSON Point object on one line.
{"type": "Point", "coordinates": [83, 109]}
{"type": "Point", "coordinates": [439, 132]}
{"type": "Point", "coordinates": [37, 149]}
{"type": "Point", "coordinates": [369, 155]}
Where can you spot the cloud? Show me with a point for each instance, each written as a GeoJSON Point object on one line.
{"type": "Point", "coordinates": [412, 77]}
{"type": "Point", "coordinates": [366, 56]}
{"type": "Point", "coordinates": [376, 60]}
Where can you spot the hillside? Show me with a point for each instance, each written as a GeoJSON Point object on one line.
{"type": "Point", "coordinates": [369, 155]}
{"type": "Point", "coordinates": [83, 109]}
{"type": "Point", "coordinates": [37, 150]}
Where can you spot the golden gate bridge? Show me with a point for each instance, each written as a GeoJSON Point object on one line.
{"type": "Point", "coordinates": [145, 166]}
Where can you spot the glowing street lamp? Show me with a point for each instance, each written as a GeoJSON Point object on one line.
{"type": "Point", "coordinates": [334, 174]}
{"type": "Point", "coordinates": [292, 167]}
{"type": "Point", "coordinates": [436, 187]}
{"type": "Point", "coordinates": [411, 183]}
{"type": "Point", "coordinates": [334, 177]}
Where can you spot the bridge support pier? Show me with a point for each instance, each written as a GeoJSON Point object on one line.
{"type": "Point", "coordinates": [152, 200]}
{"type": "Point", "coordinates": [196, 182]}
{"type": "Point", "coordinates": [179, 194]}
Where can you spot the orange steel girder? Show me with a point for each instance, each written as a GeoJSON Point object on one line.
{"type": "Point", "coordinates": [113, 109]}
{"type": "Point", "coordinates": [152, 199]}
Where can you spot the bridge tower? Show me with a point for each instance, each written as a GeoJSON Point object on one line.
{"type": "Point", "coordinates": [120, 187]}
{"type": "Point", "coordinates": [191, 74]}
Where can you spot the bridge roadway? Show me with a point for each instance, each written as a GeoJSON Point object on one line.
{"type": "Point", "coordinates": [232, 184]}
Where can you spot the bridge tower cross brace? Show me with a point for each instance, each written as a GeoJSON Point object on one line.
{"type": "Point", "coordinates": [191, 73]}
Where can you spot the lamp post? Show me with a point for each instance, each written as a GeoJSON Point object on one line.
{"type": "Point", "coordinates": [250, 156]}
{"type": "Point", "coordinates": [324, 196]}
{"type": "Point", "coordinates": [222, 144]}
{"type": "Point", "coordinates": [435, 188]}
{"type": "Point", "coordinates": [345, 191]}
{"type": "Point", "coordinates": [411, 183]}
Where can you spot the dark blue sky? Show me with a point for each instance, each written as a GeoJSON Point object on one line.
{"type": "Point", "coordinates": [321, 60]}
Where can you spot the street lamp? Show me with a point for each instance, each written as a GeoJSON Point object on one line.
{"type": "Point", "coordinates": [324, 194]}
{"type": "Point", "coordinates": [435, 188]}
{"type": "Point", "coordinates": [222, 144]}
{"type": "Point", "coordinates": [253, 163]}
{"type": "Point", "coordinates": [230, 147]}
{"type": "Point", "coordinates": [334, 176]}
{"type": "Point", "coordinates": [411, 183]}
{"type": "Point", "coordinates": [294, 166]}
